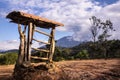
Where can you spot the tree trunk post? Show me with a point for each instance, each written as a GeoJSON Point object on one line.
{"type": "Point", "coordinates": [29, 41]}
{"type": "Point", "coordinates": [21, 47]}
{"type": "Point", "coordinates": [25, 44]}
{"type": "Point", "coordinates": [52, 46]}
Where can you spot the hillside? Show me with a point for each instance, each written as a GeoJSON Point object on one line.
{"type": "Point", "coordinates": [72, 70]}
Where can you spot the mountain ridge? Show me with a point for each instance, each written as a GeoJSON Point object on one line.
{"type": "Point", "coordinates": [67, 42]}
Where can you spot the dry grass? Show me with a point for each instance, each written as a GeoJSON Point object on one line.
{"type": "Point", "coordinates": [72, 70]}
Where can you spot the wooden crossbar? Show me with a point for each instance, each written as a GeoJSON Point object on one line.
{"type": "Point", "coordinates": [35, 57]}
{"type": "Point", "coordinates": [43, 33]}
{"type": "Point", "coordinates": [43, 50]}
{"type": "Point", "coordinates": [41, 41]}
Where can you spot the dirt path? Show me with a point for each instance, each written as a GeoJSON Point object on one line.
{"type": "Point", "coordinates": [80, 70]}
{"type": "Point", "coordinates": [6, 71]}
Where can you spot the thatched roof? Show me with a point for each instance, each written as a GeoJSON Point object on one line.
{"type": "Point", "coordinates": [25, 18]}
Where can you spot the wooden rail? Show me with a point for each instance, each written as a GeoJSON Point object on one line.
{"type": "Point", "coordinates": [35, 57]}
{"type": "Point", "coordinates": [41, 41]}
{"type": "Point", "coordinates": [43, 33]}
{"type": "Point", "coordinates": [43, 50]}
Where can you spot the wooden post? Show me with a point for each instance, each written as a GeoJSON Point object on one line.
{"type": "Point", "coordinates": [21, 46]}
{"type": "Point", "coordinates": [52, 46]}
{"type": "Point", "coordinates": [25, 44]}
{"type": "Point", "coordinates": [33, 29]}
{"type": "Point", "coordinates": [29, 41]}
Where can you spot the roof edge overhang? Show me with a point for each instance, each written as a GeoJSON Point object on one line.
{"type": "Point", "coordinates": [25, 18]}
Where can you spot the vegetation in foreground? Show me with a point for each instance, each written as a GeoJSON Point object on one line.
{"type": "Point", "coordinates": [8, 58]}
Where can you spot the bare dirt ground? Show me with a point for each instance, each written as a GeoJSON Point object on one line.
{"type": "Point", "coordinates": [6, 71]}
{"type": "Point", "coordinates": [77, 70]}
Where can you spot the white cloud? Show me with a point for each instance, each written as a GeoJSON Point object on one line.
{"type": "Point", "coordinates": [74, 14]}
{"type": "Point", "coordinates": [14, 44]}
{"type": "Point", "coordinates": [8, 45]}
{"type": "Point", "coordinates": [112, 12]}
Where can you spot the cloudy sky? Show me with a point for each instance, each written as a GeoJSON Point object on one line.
{"type": "Point", "coordinates": [74, 14]}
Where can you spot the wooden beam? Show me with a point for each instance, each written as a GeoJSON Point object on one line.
{"type": "Point", "coordinates": [43, 50]}
{"type": "Point", "coordinates": [43, 33]}
{"type": "Point", "coordinates": [31, 17]}
{"type": "Point", "coordinates": [29, 41]}
{"type": "Point", "coordinates": [41, 41]}
{"type": "Point", "coordinates": [35, 57]}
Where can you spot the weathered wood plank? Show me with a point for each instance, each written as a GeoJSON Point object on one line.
{"type": "Point", "coordinates": [43, 33]}
{"type": "Point", "coordinates": [43, 50]}
{"type": "Point", "coordinates": [35, 57]}
{"type": "Point", "coordinates": [41, 41]}
{"type": "Point", "coordinates": [32, 18]}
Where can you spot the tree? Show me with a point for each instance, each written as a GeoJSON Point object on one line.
{"type": "Point", "coordinates": [100, 30]}
{"type": "Point", "coordinates": [106, 27]}
{"type": "Point", "coordinates": [94, 29]}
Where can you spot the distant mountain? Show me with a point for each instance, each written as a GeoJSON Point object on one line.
{"type": "Point", "coordinates": [7, 51]}
{"type": "Point", "coordinates": [67, 41]}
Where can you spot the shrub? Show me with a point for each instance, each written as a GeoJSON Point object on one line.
{"type": "Point", "coordinates": [59, 59]}
{"type": "Point", "coordinates": [70, 58]}
{"type": "Point", "coordinates": [82, 55]}
{"type": "Point", "coordinates": [8, 58]}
